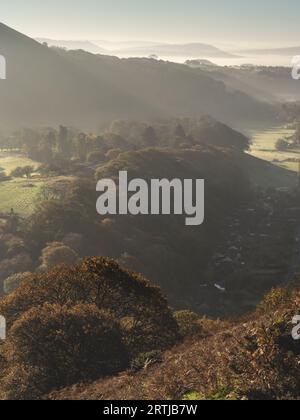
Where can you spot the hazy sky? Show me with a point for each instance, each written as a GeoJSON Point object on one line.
{"type": "Point", "coordinates": [232, 22]}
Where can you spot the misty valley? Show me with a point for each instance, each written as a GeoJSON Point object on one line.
{"type": "Point", "coordinates": [120, 278]}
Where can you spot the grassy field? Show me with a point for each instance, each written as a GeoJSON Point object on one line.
{"type": "Point", "coordinates": [263, 147]}
{"type": "Point", "coordinates": [10, 161]}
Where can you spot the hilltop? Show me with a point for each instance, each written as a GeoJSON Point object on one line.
{"type": "Point", "coordinates": [141, 48]}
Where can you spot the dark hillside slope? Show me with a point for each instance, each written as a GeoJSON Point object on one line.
{"type": "Point", "coordinates": [47, 86]}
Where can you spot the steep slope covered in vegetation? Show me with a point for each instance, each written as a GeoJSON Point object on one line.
{"type": "Point", "coordinates": [187, 262]}
{"type": "Point", "coordinates": [255, 358]}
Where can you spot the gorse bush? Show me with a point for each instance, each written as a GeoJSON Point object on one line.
{"type": "Point", "coordinates": [192, 325]}
{"type": "Point", "coordinates": [73, 324]}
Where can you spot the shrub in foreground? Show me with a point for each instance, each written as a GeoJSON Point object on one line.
{"type": "Point", "coordinates": [73, 324]}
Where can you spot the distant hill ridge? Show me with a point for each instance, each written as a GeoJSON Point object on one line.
{"type": "Point", "coordinates": [47, 87]}
{"type": "Point", "coordinates": [194, 49]}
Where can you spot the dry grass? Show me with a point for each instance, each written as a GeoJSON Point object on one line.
{"type": "Point", "coordinates": [255, 359]}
